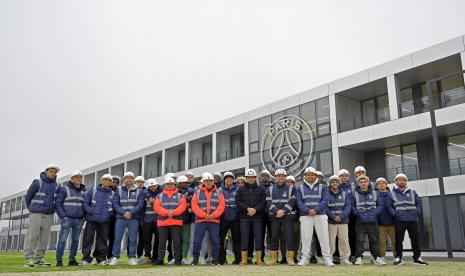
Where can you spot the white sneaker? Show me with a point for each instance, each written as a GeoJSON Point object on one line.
{"type": "Point", "coordinates": [328, 262]}
{"type": "Point", "coordinates": [379, 261]}
{"type": "Point", "coordinates": [202, 261]}
{"type": "Point", "coordinates": [94, 262]}
{"type": "Point", "coordinates": [208, 260]}
{"type": "Point", "coordinates": [114, 261]}
{"type": "Point", "coordinates": [171, 262]}
{"type": "Point", "coordinates": [319, 260]}
{"type": "Point", "coordinates": [184, 261]}
{"type": "Point", "coordinates": [398, 261]}
{"type": "Point", "coordinates": [102, 263]}
{"type": "Point", "coordinates": [303, 261]}
{"type": "Point", "coordinates": [189, 261]}
{"type": "Point", "coordinates": [345, 262]}
{"type": "Point", "coordinates": [132, 261]}
{"type": "Point", "coordinates": [140, 260]}
{"type": "Point", "coordinates": [84, 263]}
{"type": "Point", "coordinates": [359, 261]}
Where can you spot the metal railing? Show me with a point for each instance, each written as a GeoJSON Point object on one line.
{"type": "Point", "coordinates": [380, 115]}
{"type": "Point", "coordinates": [226, 155]}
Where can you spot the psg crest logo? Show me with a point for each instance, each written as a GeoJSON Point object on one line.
{"type": "Point", "coordinates": [282, 145]}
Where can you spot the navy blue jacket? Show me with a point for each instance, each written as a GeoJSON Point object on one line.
{"type": "Point", "coordinates": [346, 187]}
{"type": "Point", "coordinates": [368, 216]}
{"type": "Point", "coordinates": [188, 216]}
{"type": "Point", "coordinates": [322, 202]}
{"type": "Point", "coordinates": [406, 196]}
{"type": "Point", "coordinates": [251, 196]}
{"type": "Point", "coordinates": [281, 197]}
{"type": "Point", "coordinates": [149, 214]}
{"type": "Point", "coordinates": [231, 212]}
{"type": "Point", "coordinates": [99, 208]}
{"type": "Point", "coordinates": [70, 205]}
{"type": "Point", "coordinates": [42, 201]}
{"type": "Point", "coordinates": [340, 197]}
{"type": "Point", "coordinates": [138, 206]}
{"type": "Point", "coordinates": [385, 218]}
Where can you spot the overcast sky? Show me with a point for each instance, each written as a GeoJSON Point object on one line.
{"type": "Point", "coordinates": [83, 82]}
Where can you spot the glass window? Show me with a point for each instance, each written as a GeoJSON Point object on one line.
{"type": "Point", "coordinates": [322, 110]}
{"type": "Point", "coordinates": [307, 112]}
{"type": "Point", "coordinates": [368, 112]}
{"type": "Point", "coordinates": [253, 131]}
{"type": "Point", "coordinates": [406, 106]}
{"type": "Point", "coordinates": [326, 163]}
{"type": "Point", "coordinates": [382, 112]}
{"type": "Point", "coordinates": [393, 162]}
{"type": "Point", "coordinates": [456, 151]}
{"type": "Point", "coordinates": [410, 161]}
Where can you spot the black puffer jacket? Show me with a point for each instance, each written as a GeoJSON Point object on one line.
{"type": "Point", "coordinates": [251, 196]}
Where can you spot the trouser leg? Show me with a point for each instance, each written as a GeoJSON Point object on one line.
{"type": "Point", "coordinates": [102, 241]}
{"type": "Point", "coordinates": [75, 235]}
{"type": "Point", "coordinates": [214, 234]}
{"type": "Point", "coordinates": [236, 236]}
{"type": "Point", "coordinates": [391, 232]}
{"type": "Point", "coordinates": [275, 234]}
{"type": "Point", "coordinates": [88, 240]}
{"type": "Point", "coordinates": [257, 228]}
{"type": "Point", "coordinates": [224, 227]}
{"type": "Point", "coordinates": [352, 236]}
{"type": "Point", "coordinates": [321, 229]}
{"type": "Point", "coordinates": [373, 238]}
{"type": "Point", "coordinates": [65, 228]}
{"type": "Point", "coordinates": [162, 239]}
{"type": "Point", "coordinates": [147, 235]}
{"type": "Point", "coordinates": [412, 228]}
{"type": "Point", "coordinates": [306, 230]}
{"type": "Point", "coordinates": [360, 231]}
{"type": "Point", "coordinates": [176, 236]}
{"type": "Point", "coordinates": [343, 240]}
{"type": "Point", "coordinates": [199, 235]}
{"type": "Point", "coordinates": [382, 240]}
{"type": "Point", "coordinates": [45, 231]}
{"type": "Point", "coordinates": [140, 241]}
{"type": "Point", "coordinates": [186, 232]}
{"type": "Point", "coordinates": [400, 232]}
{"type": "Point", "coordinates": [245, 234]}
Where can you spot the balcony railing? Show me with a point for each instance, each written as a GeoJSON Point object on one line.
{"type": "Point", "coordinates": [444, 99]}
{"type": "Point", "coordinates": [381, 115]}
{"type": "Point", "coordinates": [226, 155]}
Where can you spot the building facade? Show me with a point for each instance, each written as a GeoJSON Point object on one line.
{"type": "Point", "coordinates": [377, 118]}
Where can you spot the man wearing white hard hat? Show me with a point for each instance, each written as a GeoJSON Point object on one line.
{"type": "Point", "coordinates": [290, 180]}
{"type": "Point", "coordinates": [280, 204]}
{"type": "Point", "coordinates": [251, 201]}
{"type": "Point", "coordinates": [312, 200]}
{"type": "Point", "coordinates": [139, 181]}
{"type": "Point", "coordinates": [169, 206]}
{"type": "Point", "coordinates": [230, 219]}
{"type": "Point", "coordinates": [149, 228]}
{"type": "Point", "coordinates": [40, 201]}
{"type": "Point", "coordinates": [98, 206]}
{"type": "Point", "coordinates": [264, 180]}
{"type": "Point", "coordinates": [128, 204]}
{"type": "Point", "coordinates": [385, 219]}
{"type": "Point", "coordinates": [405, 205]}
{"type": "Point", "coordinates": [69, 207]}
{"type": "Point", "coordinates": [187, 217]}
{"type": "Point", "coordinates": [208, 206]}
{"type": "Point", "coordinates": [346, 186]}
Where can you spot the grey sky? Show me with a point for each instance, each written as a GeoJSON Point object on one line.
{"type": "Point", "coordinates": [82, 82]}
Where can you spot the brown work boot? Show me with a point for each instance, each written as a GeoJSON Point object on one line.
{"type": "Point", "coordinates": [258, 258]}
{"type": "Point", "coordinates": [290, 258]}
{"type": "Point", "coordinates": [244, 258]}
{"type": "Point", "coordinates": [147, 261]}
{"type": "Point", "coordinates": [274, 257]}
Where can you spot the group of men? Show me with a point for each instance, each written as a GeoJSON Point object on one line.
{"type": "Point", "coordinates": [307, 222]}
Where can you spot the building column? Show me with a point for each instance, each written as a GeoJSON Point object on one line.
{"type": "Point", "coordinates": [163, 162]}
{"type": "Point", "coordinates": [392, 95]}
{"type": "Point", "coordinates": [142, 167]}
{"type": "Point", "coordinates": [214, 148]}
{"type": "Point", "coordinates": [186, 157]}
{"type": "Point", "coordinates": [462, 57]}
{"type": "Point", "coordinates": [333, 113]}
{"type": "Point", "coordinates": [246, 144]}
{"type": "Point", "coordinates": [335, 154]}
{"type": "Point", "coordinates": [95, 179]}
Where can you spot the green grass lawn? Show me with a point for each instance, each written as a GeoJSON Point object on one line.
{"type": "Point", "coordinates": [13, 263]}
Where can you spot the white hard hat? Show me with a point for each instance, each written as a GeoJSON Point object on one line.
{"type": "Point", "coordinates": [189, 173]}
{"type": "Point", "coordinates": [381, 179]}
{"type": "Point", "coordinates": [320, 174]}
{"type": "Point", "coordinates": [207, 176]}
{"type": "Point", "coordinates": [310, 170]}
{"type": "Point", "coordinates": [116, 177]}
{"type": "Point", "coordinates": [359, 169]}
{"type": "Point", "coordinates": [251, 172]}
{"type": "Point", "coordinates": [343, 172]}
{"type": "Point", "coordinates": [363, 177]}
{"type": "Point", "coordinates": [401, 175]}
{"type": "Point", "coordinates": [291, 178]}
{"type": "Point", "coordinates": [267, 172]}
{"type": "Point", "coordinates": [106, 176]}
{"type": "Point", "coordinates": [280, 171]}
{"type": "Point", "coordinates": [228, 174]}
{"type": "Point", "coordinates": [334, 177]}
{"type": "Point", "coordinates": [169, 175]}
{"type": "Point", "coordinates": [169, 180]}
{"type": "Point", "coordinates": [76, 173]}
{"type": "Point", "coordinates": [182, 179]}
{"type": "Point", "coordinates": [217, 174]}
{"type": "Point", "coordinates": [139, 178]}
{"type": "Point", "coordinates": [151, 182]}
{"type": "Point", "coordinates": [128, 174]}
{"type": "Point", "coordinates": [52, 166]}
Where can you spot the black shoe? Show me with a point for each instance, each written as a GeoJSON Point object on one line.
{"type": "Point", "coordinates": [336, 260]}
{"type": "Point", "coordinates": [59, 263]}
{"type": "Point", "coordinates": [352, 259]}
{"type": "Point", "coordinates": [158, 262]}
{"type": "Point", "coordinates": [72, 263]}
{"type": "Point", "coordinates": [420, 261]}
{"type": "Point", "coordinates": [215, 262]}
{"type": "Point", "coordinates": [177, 263]}
{"type": "Point", "coordinates": [313, 260]}
{"type": "Point", "coordinates": [195, 261]}
{"type": "Point", "coordinates": [236, 262]}
{"type": "Point", "coordinates": [283, 261]}
{"type": "Point", "coordinates": [398, 261]}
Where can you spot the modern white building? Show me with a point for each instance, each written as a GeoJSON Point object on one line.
{"type": "Point", "coordinates": [376, 118]}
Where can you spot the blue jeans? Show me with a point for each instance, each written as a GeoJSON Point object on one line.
{"type": "Point", "coordinates": [133, 231]}
{"type": "Point", "coordinates": [213, 233]}
{"type": "Point", "coordinates": [75, 226]}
